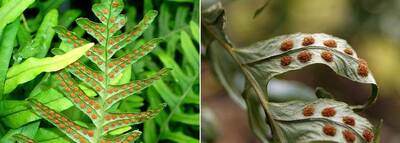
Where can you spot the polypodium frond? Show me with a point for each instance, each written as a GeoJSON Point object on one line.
{"type": "Point", "coordinates": [98, 73]}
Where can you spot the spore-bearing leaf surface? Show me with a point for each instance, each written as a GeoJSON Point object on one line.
{"type": "Point", "coordinates": [100, 77]}
{"type": "Point", "coordinates": [321, 120]}
{"type": "Point", "coordinates": [282, 54]}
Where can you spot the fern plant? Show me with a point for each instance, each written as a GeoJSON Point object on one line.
{"type": "Point", "coordinates": [272, 119]}
{"type": "Point", "coordinates": [98, 70]}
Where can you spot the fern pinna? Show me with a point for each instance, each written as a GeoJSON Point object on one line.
{"type": "Point", "coordinates": [109, 69]}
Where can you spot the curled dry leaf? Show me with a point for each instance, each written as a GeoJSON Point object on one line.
{"type": "Point", "coordinates": [266, 59]}
{"type": "Point", "coordinates": [307, 122]}
{"type": "Point", "coordinates": [260, 62]}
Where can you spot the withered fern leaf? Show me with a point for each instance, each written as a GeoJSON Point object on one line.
{"type": "Point", "coordinates": [100, 79]}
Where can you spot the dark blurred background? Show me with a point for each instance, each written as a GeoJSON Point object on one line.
{"type": "Point", "coordinates": [372, 27]}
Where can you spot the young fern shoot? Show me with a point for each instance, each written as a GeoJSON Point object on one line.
{"type": "Point", "coordinates": [109, 68]}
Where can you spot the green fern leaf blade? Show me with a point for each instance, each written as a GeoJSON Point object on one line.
{"type": "Point", "coordinates": [92, 78]}
{"type": "Point", "coordinates": [118, 120]}
{"type": "Point", "coordinates": [72, 91]}
{"type": "Point", "coordinates": [23, 139]}
{"type": "Point", "coordinates": [108, 10]}
{"type": "Point", "coordinates": [125, 138]}
{"type": "Point", "coordinates": [118, 42]}
{"type": "Point", "coordinates": [116, 66]}
{"type": "Point", "coordinates": [101, 54]}
{"type": "Point", "coordinates": [71, 129]}
{"type": "Point", "coordinates": [69, 37]}
{"type": "Point", "coordinates": [119, 92]}
{"type": "Point", "coordinates": [97, 30]}
{"type": "Point", "coordinates": [95, 54]}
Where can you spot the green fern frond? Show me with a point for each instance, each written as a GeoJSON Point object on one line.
{"type": "Point", "coordinates": [100, 76]}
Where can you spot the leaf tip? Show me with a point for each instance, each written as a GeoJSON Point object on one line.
{"type": "Point", "coordinates": [152, 13]}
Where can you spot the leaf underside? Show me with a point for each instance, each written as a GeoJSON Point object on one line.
{"type": "Point", "coordinates": [267, 59]}
{"type": "Point", "coordinates": [99, 79]}
{"type": "Point", "coordinates": [320, 120]}
{"type": "Point", "coordinates": [23, 139]}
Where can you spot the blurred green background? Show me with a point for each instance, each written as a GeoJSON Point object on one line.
{"type": "Point", "coordinates": [370, 26]}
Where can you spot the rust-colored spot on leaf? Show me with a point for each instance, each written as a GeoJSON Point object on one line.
{"type": "Point", "coordinates": [327, 56]}
{"type": "Point", "coordinates": [107, 117]}
{"type": "Point", "coordinates": [304, 56]}
{"type": "Point", "coordinates": [368, 135]}
{"type": "Point", "coordinates": [90, 133]}
{"type": "Point", "coordinates": [98, 88]}
{"type": "Point", "coordinates": [94, 116]}
{"type": "Point", "coordinates": [110, 65]}
{"type": "Point", "coordinates": [126, 121]}
{"type": "Point", "coordinates": [105, 11]}
{"type": "Point", "coordinates": [130, 138]}
{"type": "Point", "coordinates": [112, 20]}
{"type": "Point", "coordinates": [123, 65]}
{"type": "Point", "coordinates": [362, 69]}
{"type": "Point", "coordinates": [349, 136]}
{"type": "Point", "coordinates": [286, 45]}
{"type": "Point", "coordinates": [67, 89]}
{"type": "Point", "coordinates": [308, 110]}
{"type": "Point", "coordinates": [122, 22]}
{"type": "Point", "coordinates": [97, 106]}
{"type": "Point", "coordinates": [286, 60]}
{"type": "Point", "coordinates": [330, 43]}
{"type": "Point", "coordinates": [101, 78]}
{"type": "Point", "coordinates": [82, 140]}
{"type": "Point", "coordinates": [69, 130]}
{"type": "Point", "coordinates": [109, 91]}
{"type": "Point", "coordinates": [309, 40]}
{"type": "Point", "coordinates": [348, 51]}
{"type": "Point", "coordinates": [115, 4]}
{"type": "Point", "coordinates": [329, 130]}
{"type": "Point", "coordinates": [349, 120]}
{"type": "Point", "coordinates": [328, 112]}
{"type": "Point", "coordinates": [76, 136]}
{"type": "Point", "coordinates": [83, 105]}
{"type": "Point", "coordinates": [109, 101]}
{"type": "Point", "coordinates": [76, 100]}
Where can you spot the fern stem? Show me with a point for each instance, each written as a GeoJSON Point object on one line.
{"type": "Point", "coordinates": [278, 135]}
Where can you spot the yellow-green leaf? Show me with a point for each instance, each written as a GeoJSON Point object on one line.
{"type": "Point", "coordinates": [32, 67]}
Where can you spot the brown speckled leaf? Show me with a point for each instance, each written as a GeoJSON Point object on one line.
{"type": "Point", "coordinates": [282, 54]}
{"type": "Point", "coordinates": [101, 80]}
{"type": "Point", "coordinates": [320, 120]}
